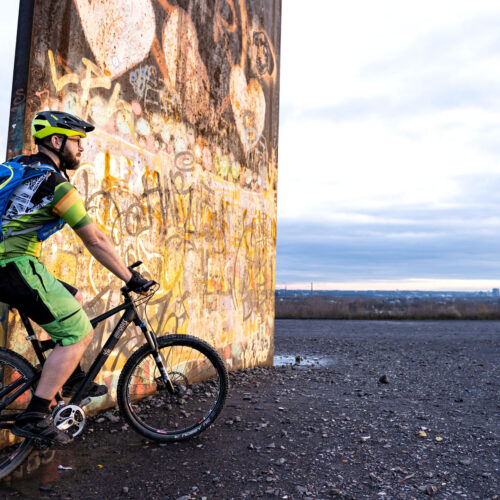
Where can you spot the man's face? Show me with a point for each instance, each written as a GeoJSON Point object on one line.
{"type": "Point", "coordinates": [70, 158]}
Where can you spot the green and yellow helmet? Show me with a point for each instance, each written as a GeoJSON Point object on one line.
{"type": "Point", "coordinates": [48, 123]}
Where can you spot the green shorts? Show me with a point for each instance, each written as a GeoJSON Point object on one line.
{"type": "Point", "coordinates": [27, 285]}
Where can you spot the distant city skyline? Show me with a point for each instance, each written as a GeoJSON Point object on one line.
{"type": "Point", "coordinates": [411, 294]}
{"type": "Point", "coordinates": [402, 285]}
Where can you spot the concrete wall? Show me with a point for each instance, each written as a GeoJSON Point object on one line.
{"type": "Point", "coordinates": [181, 171]}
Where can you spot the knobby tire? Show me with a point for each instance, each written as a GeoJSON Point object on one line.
{"type": "Point", "coordinates": [13, 450]}
{"type": "Point", "coordinates": [200, 388]}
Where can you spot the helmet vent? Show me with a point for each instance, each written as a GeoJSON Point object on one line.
{"type": "Point", "coordinates": [39, 127]}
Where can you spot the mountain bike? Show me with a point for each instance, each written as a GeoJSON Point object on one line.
{"type": "Point", "coordinates": [170, 389]}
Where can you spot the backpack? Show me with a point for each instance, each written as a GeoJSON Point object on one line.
{"type": "Point", "coordinates": [12, 175]}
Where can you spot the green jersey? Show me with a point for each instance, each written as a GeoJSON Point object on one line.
{"type": "Point", "coordinates": [36, 202]}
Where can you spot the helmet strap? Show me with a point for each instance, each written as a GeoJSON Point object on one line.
{"type": "Point", "coordinates": [61, 149]}
{"type": "Point", "coordinates": [58, 153]}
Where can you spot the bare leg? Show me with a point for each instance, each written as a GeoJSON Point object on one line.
{"type": "Point", "coordinates": [59, 366]}
{"type": "Point", "coordinates": [79, 297]}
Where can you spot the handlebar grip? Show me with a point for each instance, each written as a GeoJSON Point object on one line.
{"type": "Point", "coordinates": [146, 286]}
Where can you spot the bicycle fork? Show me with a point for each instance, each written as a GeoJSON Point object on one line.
{"type": "Point", "coordinates": [150, 336]}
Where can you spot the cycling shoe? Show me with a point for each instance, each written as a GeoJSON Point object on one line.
{"type": "Point", "coordinates": [93, 391]}
{"type": "Point", "coordinates": [39, 426]}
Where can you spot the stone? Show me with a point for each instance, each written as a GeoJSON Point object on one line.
{"type": "Point", "coordinates": [430, 490]}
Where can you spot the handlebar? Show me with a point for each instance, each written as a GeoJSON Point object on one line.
{"type": "Point", "coordinates": [146, 286]}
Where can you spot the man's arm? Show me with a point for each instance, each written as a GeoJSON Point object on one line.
{"type": "Point", "coordinates": [102, 249]}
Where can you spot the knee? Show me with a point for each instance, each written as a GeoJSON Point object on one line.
{"type": "Point", "coordinates": [79, 297]}
{"type": "Point", "coordinates": [86, 340]}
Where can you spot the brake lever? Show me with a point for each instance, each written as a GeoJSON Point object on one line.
{"type": "Point", "coordinates": [134, 265]}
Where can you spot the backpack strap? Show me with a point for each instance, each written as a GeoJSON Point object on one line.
{"type": "Point", "coordinates": [10, 182]}
{"type": "Point", "coordinates": [43, 231]}
{"type": "Point", "coordinates": [9, 232]}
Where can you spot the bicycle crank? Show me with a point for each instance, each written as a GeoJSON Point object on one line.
{"type": "Point", "coordinates": [70, 419]}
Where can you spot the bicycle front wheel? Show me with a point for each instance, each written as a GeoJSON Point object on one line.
{"type": "Point", "coordinates": [200, 384]}
{"type": "Point", "coordinates": [14, 371]}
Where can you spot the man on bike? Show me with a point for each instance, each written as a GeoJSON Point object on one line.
{"type": "Point", "coordinates": [27, 285]}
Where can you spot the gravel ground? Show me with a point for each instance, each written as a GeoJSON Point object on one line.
{"type": "Point", "coordinates": [357, 409]}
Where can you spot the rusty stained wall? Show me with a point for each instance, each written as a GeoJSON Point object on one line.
{"type": "Point", "coordinates": [181, 170]}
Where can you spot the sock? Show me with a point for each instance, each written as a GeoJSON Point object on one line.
{"type": "Point", "coordinates": [39, 405]}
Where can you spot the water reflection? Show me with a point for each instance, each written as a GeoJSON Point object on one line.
{"type": "Point", "coordinates": [41, 468]}
{"type": "Point", "coordinates": [36, 460]}
{"type": "Point", "coordinates": [304, 361]}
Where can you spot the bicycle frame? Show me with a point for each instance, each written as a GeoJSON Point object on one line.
{"type": "Point", "coordinates": [130, 315]}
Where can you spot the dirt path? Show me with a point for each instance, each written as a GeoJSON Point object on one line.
{"type": "Point", "coordinates": [326, 427]}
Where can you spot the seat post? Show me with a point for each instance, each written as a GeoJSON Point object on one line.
{"type": "Point", "coordinates": [27, 324]}
{"type": "Point", "coordinates": [32, 337]}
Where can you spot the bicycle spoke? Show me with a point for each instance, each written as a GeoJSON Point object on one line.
{"type": "Point", "coordinates": [199, 382]}
{"type": "Point", "coordinates": [14, 371]}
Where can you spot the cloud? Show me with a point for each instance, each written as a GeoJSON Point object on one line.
{"type": "Point", "coordinates": [371, 164]}
{"type": "Point", "coordinates": [332, 52]}
{"type": "Point", "coordinates": [463, 45]}
{"type": "Point", "coordinates": [425, 98]}
{"type": "Point", "coordinates": [452, 65]}
{"type": "Point", "coordinates": [459, 240]}
{"type": "Point", "coordinates": [325, 253]}
{"type": "Point", "coordinates": [389, 162]}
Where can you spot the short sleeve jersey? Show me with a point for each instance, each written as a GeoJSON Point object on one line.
{"type": "Point", "coordinates": [36, 202]}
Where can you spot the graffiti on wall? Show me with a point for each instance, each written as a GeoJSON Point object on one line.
{"type": "Point", "coordinates": [181, 170]}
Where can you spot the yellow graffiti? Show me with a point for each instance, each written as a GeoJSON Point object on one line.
{"type": "Point", "coordinates": [183, 183]}
{"type": "Point", "coordinates": [64, 80]}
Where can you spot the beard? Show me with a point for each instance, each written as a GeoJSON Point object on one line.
{"type": "Point", "coordinates": [69, 161]}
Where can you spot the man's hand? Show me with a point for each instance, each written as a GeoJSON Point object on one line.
{"type": "Point", "coordinates": [136, 283]}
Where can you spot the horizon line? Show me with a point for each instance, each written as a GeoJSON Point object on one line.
{"type": "Point", "coordinates": [407, 285]}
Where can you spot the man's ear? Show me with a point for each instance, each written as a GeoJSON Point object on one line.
{"type": "Point", "coordinates": [55, 141]}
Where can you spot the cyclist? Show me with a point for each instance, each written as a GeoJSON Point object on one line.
{"type": "Point", "coordinates": [27, 285]}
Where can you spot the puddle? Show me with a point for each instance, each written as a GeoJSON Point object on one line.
{"type": "Point", "coordinates": [304, 361]}
{"type": "Point", "coordinates": [42, 469]}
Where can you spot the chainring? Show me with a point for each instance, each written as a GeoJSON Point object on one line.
{"type": "Point", "coordinates": [70, 419]}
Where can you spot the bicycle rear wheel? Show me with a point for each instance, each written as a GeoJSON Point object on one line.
{"type": "Point", "coordinates": [200, 384]}
{"type": "Point", "coordinates": [14, 369]}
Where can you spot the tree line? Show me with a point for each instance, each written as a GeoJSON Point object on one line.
{"type": "Point", "coordinates": [328, 307]}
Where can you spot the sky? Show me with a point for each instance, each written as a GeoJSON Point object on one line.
{"type": "Point", "coordinates": [389, 147]}
{"type": "Point", "coordinates": [389, 150]}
